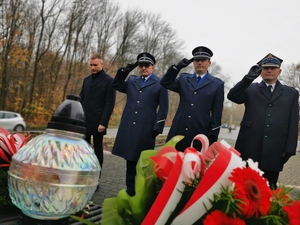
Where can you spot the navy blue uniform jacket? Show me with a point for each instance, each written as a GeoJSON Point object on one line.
{"type": "Point", "coordinates": [200, 107]}
{"type": "Point", "coordinates": [270, 123]}
{"type": "Point", "coordinates": [145, 110]}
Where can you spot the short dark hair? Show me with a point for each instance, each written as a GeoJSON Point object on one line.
{"type": "Point", "coordinates": [96, 56]}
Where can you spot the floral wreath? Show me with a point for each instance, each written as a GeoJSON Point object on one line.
{"type": "Point", "coordinates": [211, 187]}
{"type": "Point", "coordinates": [9, 145]}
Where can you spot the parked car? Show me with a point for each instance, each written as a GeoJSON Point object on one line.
{"type": "Point", "coordinates": [225, 125]}
{"type": "Point", "coordinates": [12, 121]}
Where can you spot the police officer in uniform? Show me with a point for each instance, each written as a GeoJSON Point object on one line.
{"type": "Point", "coordinates": [269, 128]}
{"type": "Point", "coordinates": [144, 114]}
{"type": "Point", "coordinates": [201, 99]}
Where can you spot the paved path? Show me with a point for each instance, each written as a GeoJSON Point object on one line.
{"type": "Point", "coordinates": [113, 172]}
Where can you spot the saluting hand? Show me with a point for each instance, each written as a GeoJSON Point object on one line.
{"type": "Point", "coordinates": [131, 66]}
{"type": "Point", "coordinates": [254, 72]}
{"type": "Point", "coordinates": [183, 63]}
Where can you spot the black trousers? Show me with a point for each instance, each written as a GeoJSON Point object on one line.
{"type": "Point", "coordinates": [130, 177]}
{"type": "Point", "coordinates": [98, 145]}
{"type": "Point", "coordinates": [272, 177]}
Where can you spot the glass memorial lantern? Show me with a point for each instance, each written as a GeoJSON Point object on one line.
{"type": "Point", "coordinates": [56, 173]}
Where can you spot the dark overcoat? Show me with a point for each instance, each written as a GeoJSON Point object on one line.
{"type": "Point", "coordinates": [98, 100]}
{"type": "Point", "coordinates": [270, 123]}
{"type": "Point", "coordinates": [145, 110]}
{"type": "Point", "coordinates": [200, 107]}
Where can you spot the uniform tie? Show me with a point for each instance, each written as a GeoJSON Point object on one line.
{"type": "Point", "coordinates": [198, 79]}
{"type": "Point", "coordinates": [270, 88]}
{"type": "Point", "coordinates": [143, 80]}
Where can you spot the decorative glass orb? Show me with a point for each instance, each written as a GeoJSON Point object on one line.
{"type": "Point", "coordinates": [56, 173]}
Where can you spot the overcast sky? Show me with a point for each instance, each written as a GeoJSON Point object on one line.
{"type": "Point", "coordinates": [239, 32]}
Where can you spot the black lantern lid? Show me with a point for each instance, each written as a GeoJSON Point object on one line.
{"type": "Point", "coordinates": [69, 116]}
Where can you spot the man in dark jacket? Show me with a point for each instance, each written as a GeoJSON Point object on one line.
{"type": "Point", "coordinates": [201, 99]}
{"type": "Point", "coordinates": [269, 128]}
{"type": "Point", "coordinates": [98, 101]}
{"type": "Point", "coordinates": [144, 114]}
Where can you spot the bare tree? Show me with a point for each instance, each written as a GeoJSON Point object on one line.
{"type": "Point", "coordinates": [159, 39]}
{"type": "Point", "coordinates": [10, 28]}
{"type": "Point", "coordinates": [106, 18]}
{"type": "Point", "coordinates": [291, 75]}
{"type": "Point", "coordinates": [216, 70]}
{"type": "Point", "coordinates": [153, 30]}
{"type": "Point", "coordinates": [126, 38]}
{"type": "Point", "coordinates": [49, 16]}
{"type": "Point", "coordinates": [30, 28]}
{"type": "Point", "coordinates": [80, 15]}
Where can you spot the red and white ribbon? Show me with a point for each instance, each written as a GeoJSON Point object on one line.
{"type": "Point", "coordinates": [168, 196]}
{"type": "Point", "coordinates": [216, 175]}
{"type": "Point", "coordinates": [185, 168]}
{"type": "Point", "coordinates": [215, 163]}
